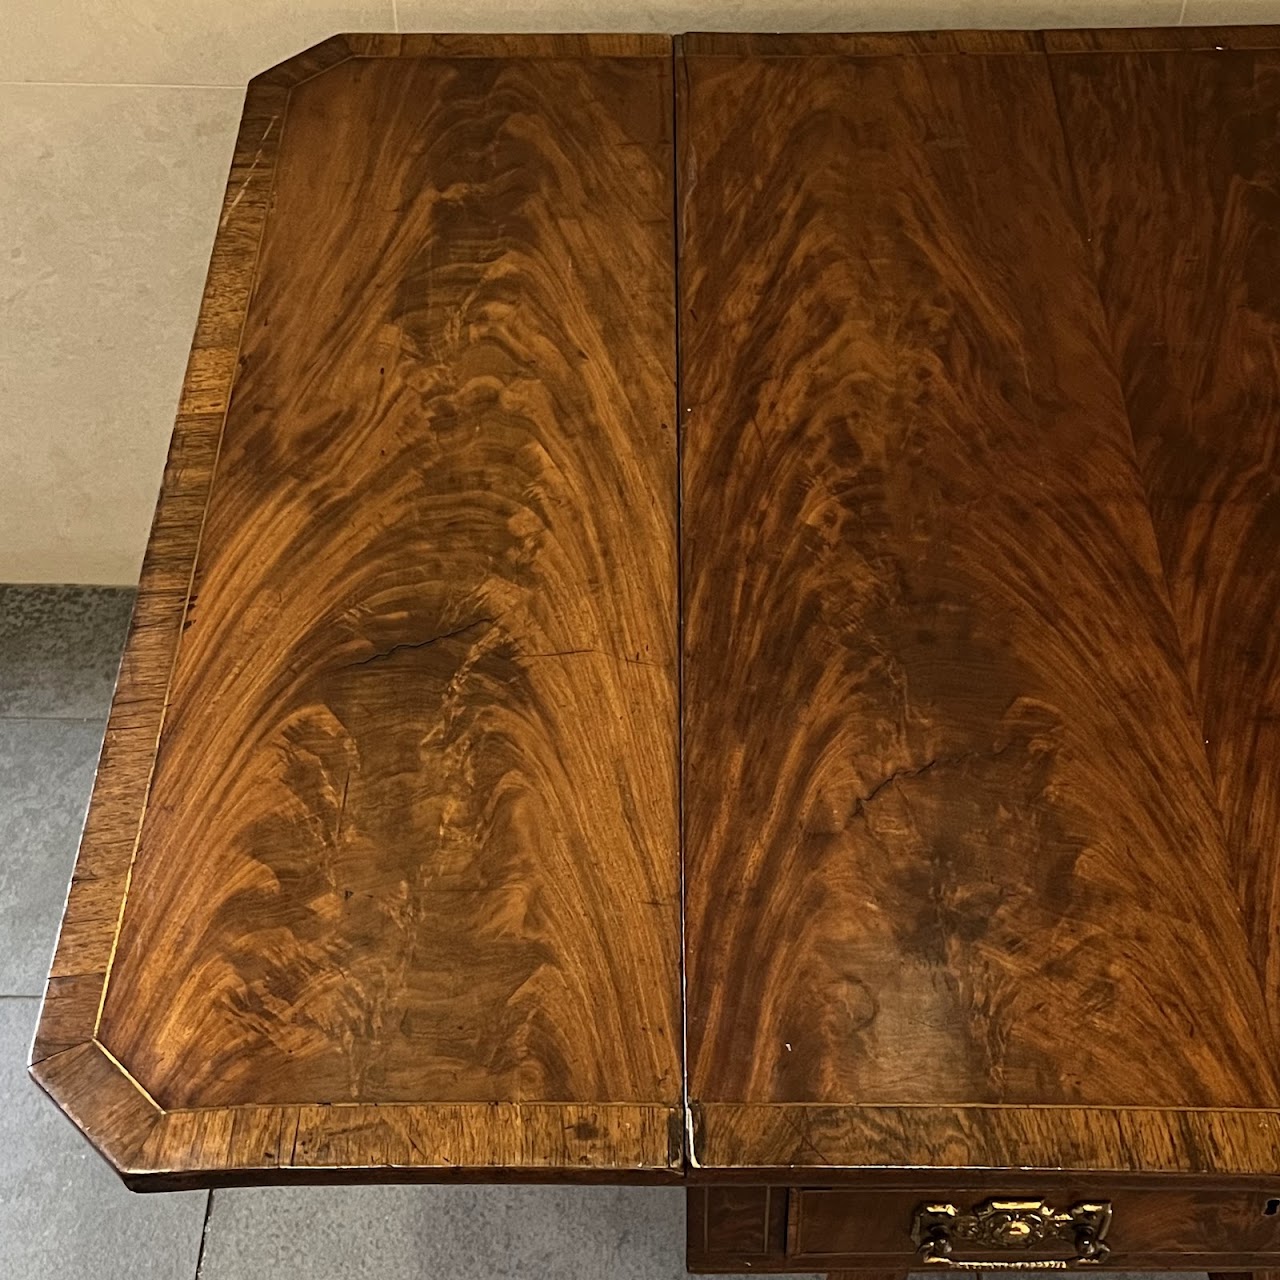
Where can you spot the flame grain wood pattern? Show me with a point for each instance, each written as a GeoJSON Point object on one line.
{"type": "Point", "coordinates": [979, 420]}
{"type": "Point", "coordinates": [1185, 224]}
{"type": "Point", "coordinates": [960, 891]}
{"type": "Point", "coordinates": [405, 893]}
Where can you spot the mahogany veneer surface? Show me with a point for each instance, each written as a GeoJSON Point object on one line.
{"type": "Point", "coordinates": [1178, 163]}
{"type": "Point", "coordinates": [974, 626]}
{"type": "Point", "coordinates": [405, 890]}
{"type": "Point", "coordinates": [977, 869]}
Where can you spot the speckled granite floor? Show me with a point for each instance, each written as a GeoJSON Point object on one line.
{"type": "Point", "coordinates": [64, 1215]}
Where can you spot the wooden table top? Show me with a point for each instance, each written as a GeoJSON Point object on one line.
{"type": "Point", "coordinates": [866, 765]}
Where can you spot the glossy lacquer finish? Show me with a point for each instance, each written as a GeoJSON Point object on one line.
{"type": "Point", "coordinates": [971, 880]}
{"type": "Point", "coordinates": [980, 406]}
{"type": "Point", "coordinates": [406, 888]}
{"type": "Point", "coordinates": [1177, 155]}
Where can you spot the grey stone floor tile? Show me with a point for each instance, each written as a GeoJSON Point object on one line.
{"type": "Point", "coordinates": [63, 1212]}
{"type": "Point", "coordinates": [60, 648]}
{"type": "Point", "coordinates": [453, 1233]}
{"type": "Point", "coordinates": [46, 774]}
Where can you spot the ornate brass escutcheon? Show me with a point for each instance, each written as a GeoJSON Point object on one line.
{"type": "Point", "coordinates": [1003, 1226]}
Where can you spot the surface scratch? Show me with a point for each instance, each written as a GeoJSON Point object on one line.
{"type": "Point", "coordinates": [421, 644]}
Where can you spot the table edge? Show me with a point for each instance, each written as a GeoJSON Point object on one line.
{"type": "Point", "coordinates": [141, 1141]}
{"type": "Point", "coordinates": [153, 1148]}
{"type": "Point", "coordinates": [977, 41]}
{"type": "Point", "coordinates": [785, 1142]}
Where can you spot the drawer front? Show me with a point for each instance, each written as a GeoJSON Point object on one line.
{"type": "Point", "coordinates": [1145, 1226]}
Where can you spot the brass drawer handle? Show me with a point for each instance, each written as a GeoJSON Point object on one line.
{"type": "Point", "coordinates": [1003, 1225]}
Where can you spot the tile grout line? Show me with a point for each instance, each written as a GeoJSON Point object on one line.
{"type": "Point", "coordinates": [18, 717]}
{"type": "Point", "coordinates": [107, 84]}
{"type": "Point", "coordinates": [17, 995]}
{"type": "Point", "coordinates": [395, 16]}
{"type": "Point", "coordinates": [204, 1234]}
